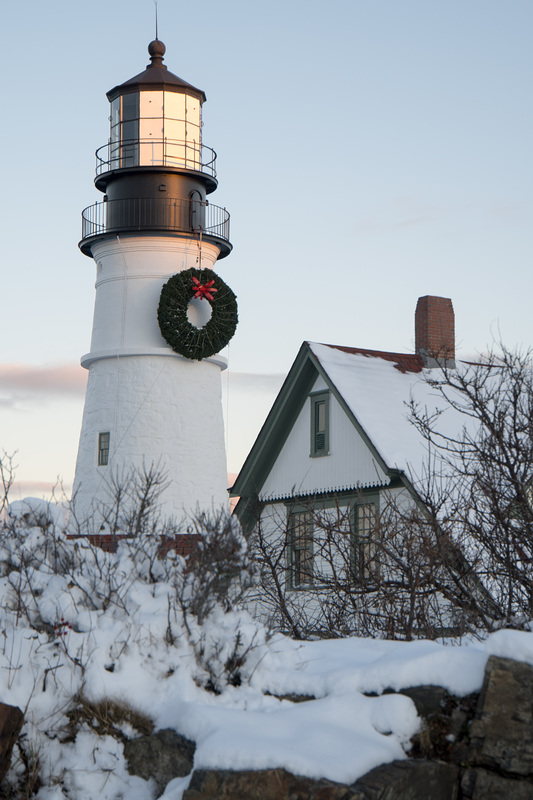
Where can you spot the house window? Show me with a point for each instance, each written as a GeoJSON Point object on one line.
{"type": "Point", "coordinates": [300, 549]}
{"type": "Point", "coordinates": [320, 424]}
{"type": "Point", "coordinates": [366, 546]}
{"type": "Point", "coordinates": [103, 449]}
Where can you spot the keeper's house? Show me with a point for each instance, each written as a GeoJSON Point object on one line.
{"type": "Point", "coordinates": [339, 437]}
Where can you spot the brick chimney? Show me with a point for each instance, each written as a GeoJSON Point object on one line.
{"type": "Point", "coordinates": [435, 331]}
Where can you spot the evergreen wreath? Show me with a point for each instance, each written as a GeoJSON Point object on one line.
{"type": "Point", "coordinates": [184, 338]}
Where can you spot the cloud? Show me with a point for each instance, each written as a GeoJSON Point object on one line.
{"type": "Point", "coordinates": [30, 488]}
{"type": "Point", "coordinates": [31, 382]}
{"type": "Point", "coordinates": [253, 381]}
{"type": "Point", "coordinates": [27, 380]}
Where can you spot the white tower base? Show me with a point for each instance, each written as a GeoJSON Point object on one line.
{"type": "Point", "coordinates": [160, 409]}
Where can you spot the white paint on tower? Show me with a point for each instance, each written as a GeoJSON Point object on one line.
{"type": "Point", "coordinates": [146, 405]}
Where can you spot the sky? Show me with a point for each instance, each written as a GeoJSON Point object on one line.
{"type": "Point", "coordinates": [369, 152]}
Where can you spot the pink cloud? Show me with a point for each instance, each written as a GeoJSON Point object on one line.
{"type": "Point", "coordinates": [26, 380]}
{"type": "Point", "coordinates": [29, 488]}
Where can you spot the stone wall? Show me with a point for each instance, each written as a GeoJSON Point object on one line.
{"type": "Point", "coordinates": [478, 747]}
{"type": "Point", "coordinates": [474, 748]}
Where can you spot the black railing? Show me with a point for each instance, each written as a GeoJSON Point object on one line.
{"type": "Point", "coordinates": [156, 153]}
{"type": "Point", "coordinates": [155, 214]}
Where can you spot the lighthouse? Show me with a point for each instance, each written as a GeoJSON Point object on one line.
{"type": "Point", "coordinates": [162, 312]}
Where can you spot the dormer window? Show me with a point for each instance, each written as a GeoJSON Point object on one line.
{"type": "Point", "coordinates": [320, 424]}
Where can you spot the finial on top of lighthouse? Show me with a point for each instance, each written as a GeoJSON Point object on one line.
{"type": "Point", "coordinates": [157, 50]}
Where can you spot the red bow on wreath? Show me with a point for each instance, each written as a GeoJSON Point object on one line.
{"type": "Point", "coordinates": [203, 289]}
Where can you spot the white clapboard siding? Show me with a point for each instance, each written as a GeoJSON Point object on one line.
{"type": "Point", "coordinates": [350, 464]}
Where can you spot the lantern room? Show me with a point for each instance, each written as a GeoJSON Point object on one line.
{"type": "Point", "coordinates": [155, 172]}
{"type": "Point", "coordinates": [156, 128]}
{"type": "Point", "coordinates": [156, 120]}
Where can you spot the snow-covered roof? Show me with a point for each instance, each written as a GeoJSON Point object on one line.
{"type": "Point", "coordinates": [378, 387]}
{"type": "Point", "coordinates": [375, 389]}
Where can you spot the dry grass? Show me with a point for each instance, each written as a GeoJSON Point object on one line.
{"type": "Point", "coordinates": [106, 717]}
{"type": "Point", "coordinates": [28, 783]}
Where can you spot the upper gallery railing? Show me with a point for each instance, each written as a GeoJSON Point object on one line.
{"type": "Point", "coordinates": [155, 214]}
{"type": "Point", "coordinates": [156, 153]}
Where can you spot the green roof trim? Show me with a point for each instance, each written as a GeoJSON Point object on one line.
{"type": "Point", "coordinates": [277, 426]}
{"type": "Point", "coordinates": [279, 422]}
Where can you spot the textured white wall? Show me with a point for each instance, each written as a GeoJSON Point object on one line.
{"type": "Point", "coordinates": [163, 411]}
{"type": "Point", "coordinates": [130, 273]}
{"type": "Point", "coordinates": [158, 407]}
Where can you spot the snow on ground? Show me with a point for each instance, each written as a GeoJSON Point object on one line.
{"type": "Point", "coordinates": [102, 626]}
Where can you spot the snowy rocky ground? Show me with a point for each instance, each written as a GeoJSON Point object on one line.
{"type": "Point", "coordinates": [79, 625]}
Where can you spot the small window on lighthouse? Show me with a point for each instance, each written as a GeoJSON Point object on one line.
{"type": "Point", "coordinates": [103, 449]}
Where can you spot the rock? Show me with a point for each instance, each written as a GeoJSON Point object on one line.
{"type": "Point", "coordinates": [401, 780]}
{"type": "Point", "coordinates": [480, 784]}
{"type": "Point", "coordinates": [162, 756]}
{"type": "Point", "coordinates": [444, 731]}
{"type": "Point", "coordinates": [428, 700]}
{"type": "Point", "coordinates": [478, 748]}
{"type": "Point", "coordinates": [410, 780]}
{"type": "Point", "coordinates": [11, 719]}
{"type": "Point", "coordinates": [501, 733]}
{"type": "Point", "coordinates": [458, 722]}
{"type": "Point", "coordinates": [267, 784]}
{"type": "Point", "coordinates": [293, 698]}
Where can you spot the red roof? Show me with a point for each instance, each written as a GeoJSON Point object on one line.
{"type": "Point", "coordinates": [404, 362]}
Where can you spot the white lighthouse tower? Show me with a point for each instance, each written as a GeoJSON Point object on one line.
{"type": "Point", "coordinates": [161, 314]}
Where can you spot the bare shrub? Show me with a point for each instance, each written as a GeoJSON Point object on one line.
{"type": "Point", "coordinates": [486, 470]}
{"type": "Point", "coordinates": [458, 557]}
{"type": "Point", "coordinates": [402, 581]}
{"type": "Point", "coordinates": [60, 592]}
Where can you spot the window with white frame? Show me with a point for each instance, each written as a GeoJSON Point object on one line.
{"type": "Point", "coordinates": [300, 550]}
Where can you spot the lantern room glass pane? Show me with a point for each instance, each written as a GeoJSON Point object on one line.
{"type": "Point", "coordinates": [192, 116]}
{"type": "Point", "coordinates": [124, 132]}
{"type": "Point", "coordinates": [151, 132]}
{"type": "Point", "coordinates": [130, 106]}
{"type": "Point", "coordinates": [174, 106]}
{"type": "Point", "coordinates": [151, 151]}
{"type": "Point", "coordinates": [129, 144]}
{"type": "Point", "coordinates": [151, 106]}
{"type": "Point", "coordinates": [115, 119]}
{"type": "Point", "coordinates": [114, 138]}
{"type": "Point", "coordinates": [176, 148]}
